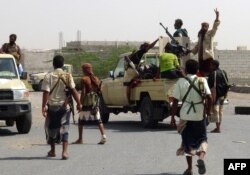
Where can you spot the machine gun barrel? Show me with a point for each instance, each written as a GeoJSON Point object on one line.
{"type": "Point", "coordinates": [169, 34]}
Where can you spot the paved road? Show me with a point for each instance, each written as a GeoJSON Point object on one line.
{"type": "Point", "coordinates": [130, 150]}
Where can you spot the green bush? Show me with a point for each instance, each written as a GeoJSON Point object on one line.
{"type": "Point", "coordinates": [102, 62]}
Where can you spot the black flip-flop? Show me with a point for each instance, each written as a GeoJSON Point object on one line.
{"type": "Point", "coordinates": [201, 166]}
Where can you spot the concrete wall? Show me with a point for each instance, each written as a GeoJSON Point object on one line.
{"type": "Point", "coordinates": [235, 62]}
{"type": "Point", "coordinates": [237, 65]}
{"type": "Point", "coordinates": [37, 61]}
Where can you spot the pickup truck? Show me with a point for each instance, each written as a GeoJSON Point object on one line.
{"type": "Point", "coordinates": [15, 105]}
{"type": "Point", "coordinates": [151, 97]}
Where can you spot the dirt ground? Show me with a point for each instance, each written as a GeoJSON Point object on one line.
{"type": "Point", "coordinates": [236, 95]}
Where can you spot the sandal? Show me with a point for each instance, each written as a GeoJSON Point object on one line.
{"type": "Point", "coordinates": [103, 141]}
{"type": "Point", "coordinates": [215, 131]}
{"type": "Point", "coordinates": [201, 166]}
{"type": "Point", "coordinates": [50, 154]}
{"type": "Point", "coordinates": [188, 172]}
{"type": "Point", "coordinates": [65, 157]}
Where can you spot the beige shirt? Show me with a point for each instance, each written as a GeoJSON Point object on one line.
{"type": "Point", "coordinates": [58, 96]}
{"type": "Point", "coordinates": [208, 48]}
{"type": "Point", "coordinates": [180, 90]}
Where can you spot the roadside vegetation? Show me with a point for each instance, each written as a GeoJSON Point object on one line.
{"type": "Point", "coordinates": [102, 61]}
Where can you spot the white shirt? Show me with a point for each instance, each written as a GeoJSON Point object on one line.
{"type": "Point", "coordinates": [58, 96]}
{"type": "Point", "coordinates": [180, 90]}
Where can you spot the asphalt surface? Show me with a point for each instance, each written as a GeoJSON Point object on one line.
{"type": "Point", "coordinates": [130, 149]}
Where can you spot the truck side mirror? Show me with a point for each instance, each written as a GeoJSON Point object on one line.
{"type": "Point", "coordinates": [24, 76]}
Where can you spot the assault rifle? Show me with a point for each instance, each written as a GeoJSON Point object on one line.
{"type": "Point", "coordinates": [175, 47]}
{"type": "Point", "coordinates": [70, 101]}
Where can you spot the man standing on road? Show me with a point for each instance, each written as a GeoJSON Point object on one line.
{"type": "Point", "coordinates": [55, 106]}
{"type": "Point", "coordinates": [218, 78]}
{"type": "Point", "coordinates": [193, 92]}
{"type": "Point", "coordinates": [205, 47]}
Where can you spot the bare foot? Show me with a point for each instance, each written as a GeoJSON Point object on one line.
{"type": "Point", "coordinates": [65, 156]}
{"type": "Point", "coordinates": [78, 142]}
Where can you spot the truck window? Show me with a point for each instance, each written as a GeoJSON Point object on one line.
{"type": "Point", "coordinates": [7, 68]}
{"type": "Point", "coordinates": [152, 59]}
{"type": "Point", "coordinates": [119, 70]}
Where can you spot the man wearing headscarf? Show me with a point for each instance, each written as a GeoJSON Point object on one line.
{"type": "Point", "coordinates": [90, 85]}
{"type": "Point", "coordinates": [204, 46]}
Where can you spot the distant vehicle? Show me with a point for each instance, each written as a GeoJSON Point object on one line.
{"type": "Point", "coordinates": [36, 79]}
{"type": "Point", "coordinates": [15, 105]}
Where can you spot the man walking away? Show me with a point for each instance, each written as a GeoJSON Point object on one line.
{"type": "Point", "coordinates": [219, 79]}
{"type": "Point", "coordinates": [55, 106]}
{"type": "Point", "coordinates": [194, 92]}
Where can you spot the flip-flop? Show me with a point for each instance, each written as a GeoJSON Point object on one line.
{"type": "Point", "coordinates": [65, 157]}
{"type": "Point", "coordinates": [50, 154]}
{"type": "Point", "coordinates": [201, 166]}
{"type": "Point", "coordinates": [77, 142]}
{"type": "Point", "coordinates": [188, 172]}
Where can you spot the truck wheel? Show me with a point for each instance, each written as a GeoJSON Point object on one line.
{"type": "Point", "coordinates": [35, 87]}
{"type": "Point", "coordinates": [103, 111]}
{"type": "Point", "coordinates": [146, 110]}
{"type": "Point", "coordinates": [242, 110]}
{"type": "Point", "coordinates": [9, 122]}
{"type": "Point", "coordinates": [40, 85]}
{"type": "Point", "coordinates": [23, 123]}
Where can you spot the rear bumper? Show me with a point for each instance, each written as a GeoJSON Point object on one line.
{"type": "Point", "coordinates": [14, 109]}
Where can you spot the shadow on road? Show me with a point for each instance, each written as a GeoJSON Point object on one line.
{"type": "Point", "coordinates": [27, 158]}
{"type": "Point", "coordinates": [131, 126]}
{"type": "Point", "coordinates": [160, 174]}
{"type": "Point", "coordinates": [7, 132]}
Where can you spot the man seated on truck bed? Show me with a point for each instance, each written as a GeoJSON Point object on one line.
{"type": "Point", "coordinates": [169, 64]}
{"type": "Point", "coordinates": [131, 63]}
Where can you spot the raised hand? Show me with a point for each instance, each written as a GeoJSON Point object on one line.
{"type": "Point", "coordinates": [217, 14]}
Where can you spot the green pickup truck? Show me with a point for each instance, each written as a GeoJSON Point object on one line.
{"type": "Point", "coordinates": [151, 97]}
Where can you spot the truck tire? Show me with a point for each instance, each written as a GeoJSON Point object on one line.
{"type": "Point", "coordinates": [104, 113]}
{"type": "Point", "coordinates": [9, 122]}
{"type": "Point", "coordinates": [146, 110]}
{"type": "Point", "coordinates": [40, 85]}
{"type": "Point", "coordinates": [23, 123]}
{"type": "Point", "coordinates": [35, 87]}
{"type": "Point", "coordinates": [242, 110]}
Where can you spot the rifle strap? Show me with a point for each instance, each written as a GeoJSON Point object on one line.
{"type": "Point", "coordinates": [55, 84]}
{"type": "Point", "coordinates": [192, 104]}
{"type": "Point", "coordinates": [189, 88]}
{"type": "Point", "coordinates": [225, 78]}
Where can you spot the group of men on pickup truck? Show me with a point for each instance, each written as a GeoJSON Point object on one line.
{"type": "Point", "coordinates": [192, 89]}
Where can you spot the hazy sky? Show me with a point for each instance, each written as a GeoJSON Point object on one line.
{"type": "Point", "coordinates": [38, 22]}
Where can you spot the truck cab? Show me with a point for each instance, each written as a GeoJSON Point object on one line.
{"type": "Point", "coordinates": [15, 106]}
